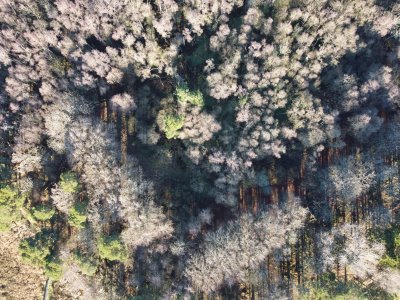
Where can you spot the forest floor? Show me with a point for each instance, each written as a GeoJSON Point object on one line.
{"type": "Point", "coordinates": [18, 279]}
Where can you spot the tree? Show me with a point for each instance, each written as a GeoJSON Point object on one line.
{"type": "Point", "coordinates": [351, 248]}
{"type": "Point", "coordinates": [63, 201]}
{"type": "Point", "coordinates": [69, 182]}
{"type": "Point", "coordinates": [127, 196]}
{"type": "Point", "coordinates": [198, 127]}
{"type": "Point", "coordinates": [229, 253]}
{"type": "Point", "coordinates": [91, 151]}
{"type": "Point", "coordinates": [363, 125]}
{"type": "Point", "coordinates": [43, 212]}
{"type": "Point", "coordinates": [172, 124]}
{"type": "Point", "coordinates": [184, 95]}
{"type": "Point", "coordinates": [78, 214]}
{"type": "Point", "coordinates": [54, 269]}
{"type": "Point", "coordinates": [123, 102]}
{"type": "Point", "coordinates": [11, 203]}
{"type": "Point", "coordinates": [351, 176]}
{"type": "Point", "coordinates": [27, 161]}
{"type": "Point", "coordinates": [38, 248]}
{"type": "Point", "coordinates": [27, 148]}
{"type": "Point", "coordinates": [87, 264]}
{"type": "Point", "coordinates": [111, 248]}
{"type": "Point", "coordinates": [145, 221]}
{"type": "Point", "coordinates": [57, 117]}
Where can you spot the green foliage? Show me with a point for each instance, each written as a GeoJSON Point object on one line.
{"type": "Point", "coordinates": [87, 264]}
{"type": "Point", "coordinates": [7, 217]}
{"type": "Point", "coordinates": [315, 293]}
{"type": "Point", "coordinates": [36, 249]}
{"type": "Point", "coordinates": [396, 243]}
{"type": "Point", "coordinates": [78, 214]}
{"type": "Point", "coordinates": [328, 288]}
{"type": "Point", "coordinates": [184, 95]}
{"type": "Point", "coordinates": [69, 182]}
{"type": "Point", "coordinates": [243, 101]}
{"type": "Point", "coordinates": [11, 196]}
{"type": "Point", "coordinates": [172, 125]}
{"type": "Point", "coordinates": [112, 248]}
{"type": "Point", "coordinates": [43, 212]}
{"type": "Point", "coordinates": [53, 269]}
{"type": "Point", "coordinates": [391, 238]}
{"type": "Point", "coordinates": [11, 202]}
{"type": "Point", "coordinates": [389, 262]}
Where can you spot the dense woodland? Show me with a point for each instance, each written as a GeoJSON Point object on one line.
{"type": "Point", "coordinates": [200, 149]}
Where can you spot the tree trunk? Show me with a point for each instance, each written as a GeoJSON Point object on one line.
{"type": "Point", "coordinates": [46, 289]}
{"type": "Point", "coordinates": [124, 138]}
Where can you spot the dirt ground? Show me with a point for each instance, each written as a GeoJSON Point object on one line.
{"type": "Point", "coordinates": [18, 280]}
